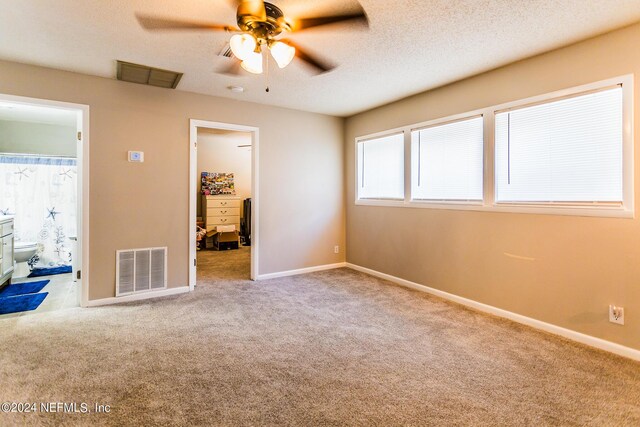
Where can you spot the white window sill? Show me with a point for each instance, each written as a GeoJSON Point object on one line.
{"type": "Point", "coordinates": [381, 202]}
{"type": "Point", "coordinates": [571, 210]}
{"type": "Point", "coordinates": [575, 210]}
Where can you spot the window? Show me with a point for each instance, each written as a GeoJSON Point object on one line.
{"type": "Point", "coordinates": [566, 151]}
{"type": "Point", "coordinates": [381, 168]}
{"type": "Point", "coordinates": [448, 161]}
{"type": "Point", "coordinates": [569, 152]}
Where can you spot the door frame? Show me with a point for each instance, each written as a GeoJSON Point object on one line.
{"type": "Point", "coordinates": [82, 158]}
{"type": "Point", "coordinates": [193, 187]}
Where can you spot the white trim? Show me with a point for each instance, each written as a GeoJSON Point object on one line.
{"type": "Point", "coordinates": [627, 208]}
{"type": "Point", "coordinates": [577, 210]}
{"type": "Point", "coordinates": [414, 160]}
{"type": "Point", "coordinates": [489, 204]}
{"type": "Point", "coordinates": [84, 204]}
{"type": "Point", "coordinates": [589, 340]}
{"type": "Point", "coordinates": [382, 134]}
{"type": "Point", "coordinates": [476, 205]}
{"type": "Point", "coordinates": [193, 200]}
{"type": "Point", "coordinates": [302, 271]}
{"type": "Point", "coordinates": [193, 197]}
{"type": "Point", "coordinates": [406, 157]}
{"type": "Point", "coordinates": [381, 202]}
{"type": "Point", "coordinates": [139, 296]}
{"type": "Point", "coordinates": [82, 156]}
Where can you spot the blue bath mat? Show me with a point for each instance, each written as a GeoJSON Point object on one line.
{"type": "Point", "coordinates": [19, 303]}
{"type": "Point", "coordinates": [23, 288]}
{"type": "Point", "coordinates": [50, 271]}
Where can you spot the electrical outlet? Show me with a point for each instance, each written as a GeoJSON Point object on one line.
{"type": "Point", "coordinates": [616, 314]}
{"type": "Point", "coordinates": [336, 249]}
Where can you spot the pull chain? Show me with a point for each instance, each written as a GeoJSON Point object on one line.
{"type": "Point", "coordinates": [267, 73]}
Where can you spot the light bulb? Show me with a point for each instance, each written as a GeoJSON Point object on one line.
{"type": "Point", "coordinates": [253, 63]}
{"type": "Point", "coordinates": [282, 53]}
{"type": "Point", "coordinates": [242, 45]}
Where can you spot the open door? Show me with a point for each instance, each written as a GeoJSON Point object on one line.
{"type": "Point", "coordinates": [193, 197]}
{"type": "Point", "coordinates": [80, 242]}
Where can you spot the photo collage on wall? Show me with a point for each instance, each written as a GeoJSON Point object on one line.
{"type": "Point", "coordinates": [215, 183]}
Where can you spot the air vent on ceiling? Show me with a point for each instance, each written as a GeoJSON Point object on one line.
{"type": "Point", "coordinates": [226, 51]}
{"type": "Point", "coordinates": [140, 270]}
{"type": "Point", "coordinates": [136, 73]}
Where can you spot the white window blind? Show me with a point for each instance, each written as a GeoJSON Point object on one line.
{"type": "Point", "coordinates": [381, 168]}
{"type": "Point", "coordinates": [449, 161]}
{"type": "Point", "coordinates": [568, 150]}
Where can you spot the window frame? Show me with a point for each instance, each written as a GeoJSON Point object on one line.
{"type": "Point", "coordinates": [489, 203]}
{"type": "Point", "coordinates": [415, 159]}
{"type": "Point", "coordinates": [623, 210]}
{"type": "Point", "coordinates": [379, 201]}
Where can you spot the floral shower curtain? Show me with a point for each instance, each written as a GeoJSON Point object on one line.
{"type": "Point", "coordinates": [41, 192]}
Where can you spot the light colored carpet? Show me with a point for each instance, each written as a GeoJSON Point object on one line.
{"type": "Point", "coordinates": [327, 349]}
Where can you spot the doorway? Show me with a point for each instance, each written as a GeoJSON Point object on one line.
{"type": "Point", "coordinates": [44, 158]}
{"type": "Point", "coordinates": [223, 205]}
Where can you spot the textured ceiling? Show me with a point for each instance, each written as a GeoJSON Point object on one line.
{"type": "Point", "coordinates": [411, 46]}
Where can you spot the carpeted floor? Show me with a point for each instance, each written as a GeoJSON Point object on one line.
{"type": "Point", "coordinates": [324, 349]}
{"type": "Point", "coordinates": [223, 265]}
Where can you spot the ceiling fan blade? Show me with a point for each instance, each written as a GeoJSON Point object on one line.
{"type": "Point", "coordinates": [155, 23]}
{"type": "Point", "coordinates": [252, 8]}
{"type": "Point", "coordinates": [359, 17]}
{"type": "Point", "coordinates": [320, 66]}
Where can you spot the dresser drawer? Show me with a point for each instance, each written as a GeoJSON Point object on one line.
{"type": "Point", "coordinates": [228, 203]}
{"type": "Point", "coordinates": [211, 212]}
{"type": "Point", "coordinates": [223, 220]}
{"type": "Point", "coordinates": [212, 227]}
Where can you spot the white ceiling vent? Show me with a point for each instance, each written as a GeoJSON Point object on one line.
{"type": "Point", "coordinates": [140, 270]}
{"type": "Point", "coordinates": [142, 74]}
{"type": "Point", "coordinates": [226, 51]}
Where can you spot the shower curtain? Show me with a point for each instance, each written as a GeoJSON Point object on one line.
{"type": "Point", "coordinates": [40, 192]}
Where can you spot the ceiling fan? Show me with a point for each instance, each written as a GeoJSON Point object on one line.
{"type": "Point", "coordinates": [261, 26]}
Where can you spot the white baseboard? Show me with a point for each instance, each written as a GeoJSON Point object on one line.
{"type": "Point", "coordinates": [301, 271]}
{"type": "Point", "coordinates": [589, 340]}
{"type": "Point", "coordinates": [138, 297]}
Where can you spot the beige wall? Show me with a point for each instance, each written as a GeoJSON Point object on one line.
{"type": "Point", "coordinates": [137, 205]}
{"type": "Point", "coordinates": [219, 152]}
{"type": "Point", "coordinates": [581, 264]}
{"type": "Point", "coordinates": [37, 138]}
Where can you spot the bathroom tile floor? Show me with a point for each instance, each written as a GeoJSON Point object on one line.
{"type": "Point", "coordinates": [62, 294]}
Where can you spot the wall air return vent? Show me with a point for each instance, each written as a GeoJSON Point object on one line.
{"type": "Point", "coordinates": [136, 73]}
{"type": "Point", "coordinates": [140, 270]}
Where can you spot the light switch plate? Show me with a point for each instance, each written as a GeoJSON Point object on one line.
{"type": "Point", "coordinates": [136, 156]}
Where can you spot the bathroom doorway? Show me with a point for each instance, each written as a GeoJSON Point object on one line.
{"type": "Point", "coordinates": [223, 204]}
{"type": "Point", "coordinates": [44, 170]}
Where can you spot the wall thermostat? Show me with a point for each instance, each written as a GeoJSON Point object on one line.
{"type": "Point", "coordinates": [136, 156]}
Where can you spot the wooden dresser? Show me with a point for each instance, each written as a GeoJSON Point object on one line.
{"type": "Point", "coordinates": [221, 210]}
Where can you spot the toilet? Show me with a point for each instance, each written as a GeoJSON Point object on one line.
{"type": "Point", "coordinates": [22, 252]}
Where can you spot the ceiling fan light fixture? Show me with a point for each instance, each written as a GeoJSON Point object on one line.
{"type": "Point", "coordinates": [242, 45]}
{"type": "Point", "coordinates": [253, 63]}
{"type": "Point", "coordinates": [259, 24]}
{"type": "Point", "coordinates": [282, 53]}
